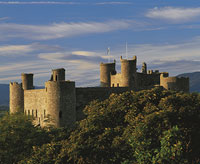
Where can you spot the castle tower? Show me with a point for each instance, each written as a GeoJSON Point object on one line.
{"type": "Point", "coordinates": [128, 72]}
{"type": "Point", "coordinates": [144, 68]}
{"type": "Point", "coordinates": [16, 98]}
{"type": "Point", "coordinates": [61, 102]}
{"type": "Point", "coordinates": [106, 69]}
{"type": "Point", "coordinates": [58, 74]}
{"type": "Point", "coordinates": [27, 81]}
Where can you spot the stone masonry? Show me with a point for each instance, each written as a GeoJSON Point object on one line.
{"type": "Point", "coordinates": [60, 103]}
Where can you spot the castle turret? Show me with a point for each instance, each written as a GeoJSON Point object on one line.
{"type": "Point", "coordinates": [106, 69]}
{"type": "Point", "coordinates": [128, 72]}
{"type": "Point", "coordinates": [58, 74]}
{"type": "Point", "coordinates": [16, 98]}
{"type": "Point", "coordinates": [27, 81]}
{"type": "Point", "coordinates": [144, 68]}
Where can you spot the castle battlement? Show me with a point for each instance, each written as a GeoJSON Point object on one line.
{"type": "Point", "coordinates": [60, 103]}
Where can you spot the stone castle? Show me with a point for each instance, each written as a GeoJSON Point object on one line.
{"type": "Point", "coordinates": [60, 103]}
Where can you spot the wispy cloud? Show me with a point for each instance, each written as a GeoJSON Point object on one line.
{"type": "Point", "coordinates": [38, 3]}
{"type": "Point", "coordinates": [62, 3]}
{"type": "Point", "coordinates": [59, 30]}
{"type": "Point", "coordinates": [10, 50]}
{"type": "Point", "coordinates": [175, 58]}
{"type": "Point", "coordinates": [114, 3]}
{"type": "Point", "coordinates": [4, 18]}
{"type": "Point", "coordinates": [174, 14]}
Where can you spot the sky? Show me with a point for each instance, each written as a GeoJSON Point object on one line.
{"type": "Point", "coordinates": [38, 36]}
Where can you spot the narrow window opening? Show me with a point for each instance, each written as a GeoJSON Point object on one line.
{"type": "Point", "coordinates": [44, 113]}
{"type": "Point", "coordinates": [117, 84]}
{"type": "Point", "coordinates": [113, 85]}
{"type": "Point", "coordinates": [32, 112]}
{"type": "Point", "coordinates": [60, 114]}
{"type": "Point", "coordinates": [29, 112]}
{"type": "Point", "coordinates": [36, 113]}
{"type": "Point", "coordinates": [46, 89]}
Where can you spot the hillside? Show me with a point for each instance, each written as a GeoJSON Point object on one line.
{"type": "Point", "coordinates": [194, 80]}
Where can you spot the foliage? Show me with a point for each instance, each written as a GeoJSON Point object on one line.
{"type": "Point", "coordinates": [147, 127]}
{"type": "Point", "coordinates": [17, 136]}
{"type": "Point", "coordinates": [155, 126]}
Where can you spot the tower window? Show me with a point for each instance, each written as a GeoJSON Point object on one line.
{"type": "Point", "coordinates": [29, 112]}
{"type": "Point", "coordinates": [36, 113]}
{"type": "Point", "coordinates": [60, 114]}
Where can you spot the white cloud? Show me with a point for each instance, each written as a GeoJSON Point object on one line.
{"type": "Point", "coordinates": [59, 30]}
{"type": "Point", "coordinates": [10, 50]}
{"type": "Point", "coordinates": [85, 53]}
{"type": "Point", "coordinates": [61, 3]}
{"type": "Point", "coordinates": [4, 18]}
{"type": "Point", "coordinates": [37, 3]}
{"type": "Point", "coordinates": [82, 66]}
{"type": "Point", "coordinates": [174, 14]}
{"type": "Point", "coordinates": [114, 3]}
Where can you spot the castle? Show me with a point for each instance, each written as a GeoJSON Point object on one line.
{"type": "Point", "coordinates": [60, 103]}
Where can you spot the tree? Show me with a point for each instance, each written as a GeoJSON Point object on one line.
{"type": "Point", "coordinates": [17, 137]}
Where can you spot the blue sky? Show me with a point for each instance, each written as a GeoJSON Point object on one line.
{"type": "Point", "coordinates": [37, 36]}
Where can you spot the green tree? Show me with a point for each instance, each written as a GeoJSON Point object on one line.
{"type": "Point", "coordinates": [152, 126]}
{"type": "Point", "coordinates": [17, 137]}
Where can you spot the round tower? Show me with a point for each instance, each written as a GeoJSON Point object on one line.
{"type": "Point", "coordinates": [58, 74]}
{"type": "Point", "coordinates": [16, 98]}
{"type": "Point", "coordinates": [106, 69]}
{"type": "Point", "coordinates": [27, 81]}
{"type": "Point", "coordinates": [61, 103]}
{"type": "Point", "coordinates": [128, 72]}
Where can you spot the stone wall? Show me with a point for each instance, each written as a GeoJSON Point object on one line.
{"type": "Point", "coordinates": [175, 83]}
{"type": "Point", "coordinates": [147, 80]}
{"type": "Point", "coordinates": [116, 80]}
{"type": "Point", "coordinates": [85, 95]}
{"type": "Point", "coordinates": [35, 105]}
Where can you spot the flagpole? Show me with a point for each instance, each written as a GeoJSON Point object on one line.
{"type": "Point", "coordinates": [126, 51]}
{"type": "Point", "coordinates": [108, 53]}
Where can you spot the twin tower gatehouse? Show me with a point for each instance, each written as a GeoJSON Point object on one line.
{"type": "Point", "coordinates": [60, 103]}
